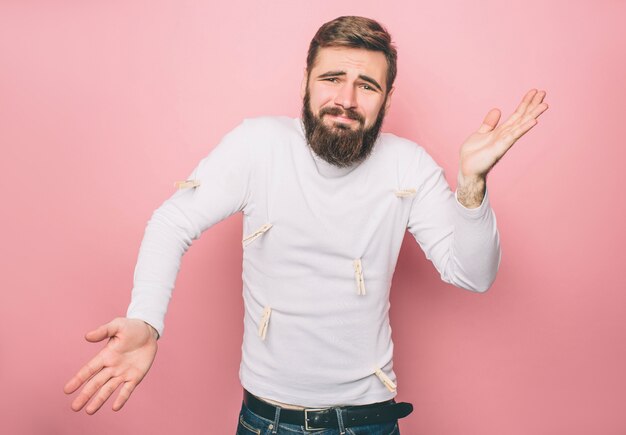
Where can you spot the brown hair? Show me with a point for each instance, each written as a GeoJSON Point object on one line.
{"type": "Point", "coordinates": [355, 32]}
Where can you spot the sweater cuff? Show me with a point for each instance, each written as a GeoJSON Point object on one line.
{"type": "Point", "coordinates": [474, 213]}
{"type": "Point", "coordinates": [158, 326]}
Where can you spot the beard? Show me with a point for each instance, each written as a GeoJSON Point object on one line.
{"type": "Point", "coordinates": [340, 145]}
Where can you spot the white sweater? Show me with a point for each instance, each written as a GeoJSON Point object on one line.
{"type": "Point", "coordinates": [320, 248]}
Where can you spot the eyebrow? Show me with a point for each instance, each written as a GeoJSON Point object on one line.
{"type": "Point", "coordinates": [363, 77]}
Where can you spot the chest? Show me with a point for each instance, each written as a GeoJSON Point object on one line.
{"type": "Point", "coordinates": [293, 213]}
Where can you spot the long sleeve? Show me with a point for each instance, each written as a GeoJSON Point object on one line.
{"type": "Point", "coordinates": [462, 243]}
{"type": "Point", "coordinates": [224, 177]}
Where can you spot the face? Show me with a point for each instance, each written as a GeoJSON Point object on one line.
{"type": "Point", "coordinates": [345, 99]}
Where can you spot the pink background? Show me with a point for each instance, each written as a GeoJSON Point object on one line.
{"type": "Point", "coordinates": [103, 105]}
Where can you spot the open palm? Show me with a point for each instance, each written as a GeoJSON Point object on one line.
{"type": "Point", "coordinates": [124, 361]}
{"type": "Point", "coordinates": [484, 148]}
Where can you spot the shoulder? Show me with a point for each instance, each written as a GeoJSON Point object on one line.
{"type": "Point", "coordinates": [270, 126]}
{"type": "Point", "coordinates": [262, 139]}
{"type": "Point", "coordinates": [255, 134]}
{"type": "Point", "coordinates": [401, 149]}
{"type": "Point", "coordinates": [408, 158]}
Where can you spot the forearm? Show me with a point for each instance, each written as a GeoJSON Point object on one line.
{"type": "Point", "coordinates": [475, 251]}
{"type": "Point", "coordinates": [166, 239]}
{"type": "Point", "coordinates": [461, 241]}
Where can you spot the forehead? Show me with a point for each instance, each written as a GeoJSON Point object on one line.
{"type": "Point", "coordinates": [352, 61]}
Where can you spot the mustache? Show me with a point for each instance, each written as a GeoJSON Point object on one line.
{"type": "Point", "coordinates": [338, 111]}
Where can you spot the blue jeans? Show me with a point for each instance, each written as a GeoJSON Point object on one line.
{"type": "Point", "coordinates": [253, 424]}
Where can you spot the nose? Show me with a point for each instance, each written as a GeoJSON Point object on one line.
{"type": "Point", "coordinates": [346, 96]}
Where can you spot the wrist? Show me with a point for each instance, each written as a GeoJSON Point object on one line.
{"type": "Point", "coordinates": [470, 190]}
{"type": "Point", "coordinates": [152, 330]}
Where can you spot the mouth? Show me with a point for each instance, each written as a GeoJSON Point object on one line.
{"type": "Point", "coordinates": [341, 119]}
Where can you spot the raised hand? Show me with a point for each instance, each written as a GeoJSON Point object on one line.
{"type": "Point", "coordinates": [484, 148]}
{"type": "Point", "coordinates": [124, 362]}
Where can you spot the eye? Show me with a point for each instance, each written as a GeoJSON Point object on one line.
{"type": "Point", "coordinates": [331, 79]}
{"type": "Point", "coordinates": [367, 87]}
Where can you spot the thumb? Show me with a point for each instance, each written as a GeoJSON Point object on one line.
{"type": "Point", "coordinates": [490, 121]}
{"type": "Point", "coordinates": [105, 331]}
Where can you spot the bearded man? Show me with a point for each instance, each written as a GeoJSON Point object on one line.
{"type": "Point", "coordinates": [327, 200]}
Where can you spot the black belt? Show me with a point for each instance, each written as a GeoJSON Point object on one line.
{"type": "Point", "coordinates": [327, 418]}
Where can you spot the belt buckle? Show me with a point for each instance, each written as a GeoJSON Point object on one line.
{"type": "Point", "coordinates": [306, 419]}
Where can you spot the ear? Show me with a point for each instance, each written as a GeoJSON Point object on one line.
{"type": "Point", "coordinates": [303, 84]}
{"type": "Point", "coordinates": [388, 102]}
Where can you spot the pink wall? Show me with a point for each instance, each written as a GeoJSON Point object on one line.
{"type": "Point", "coordinates": [103, 105]}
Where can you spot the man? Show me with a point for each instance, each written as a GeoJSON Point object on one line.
{"type": "Point", "coordinates": [326, 202]}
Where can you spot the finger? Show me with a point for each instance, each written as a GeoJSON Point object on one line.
{"type": "Point", "coordinates": [103, 394]}
{"type": "Point", "coordinates": [87, 371]}
{"type": "Point", "coordinates": [512, 136]}
{"type": "Point", "coordinates": [533, 109]}
{"type": "Point", "coordinates": [537, 111]}
{"type": "Point", "coordinates": [91, 388]}
{"type": "Point", "coordinates": [528, 98]}
{"type": "Point", "coordinates": [102, 332]}
{"type": "Point", "coordinates": [123, 395]}
{"type": "Point", "coordinates": [523, 129]}
{"type": "Point", "coordinates": [490, 121]}
{"type": "Point", "coordinates": [537, 99]}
